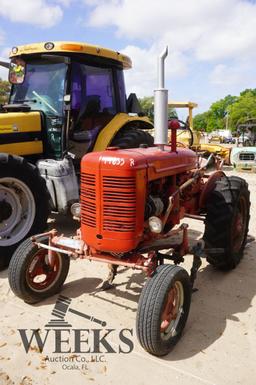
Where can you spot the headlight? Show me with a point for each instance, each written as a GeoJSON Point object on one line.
{"type": "Point", "coordinates": [155, 225]}
{"type": "Point", "coordinates": [76, 210]}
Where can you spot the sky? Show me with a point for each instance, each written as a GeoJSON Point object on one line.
{"type": "Point", "coordinates": [212, 43]}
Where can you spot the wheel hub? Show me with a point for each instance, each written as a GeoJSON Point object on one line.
{"type": "Point", "coordinates": [5, 210]}
{"type": "Point", "coordinates": [40, 275]}
{"type": "Point", "coordinates": [11, 211]}
{"type": "Point", "coordinates": [17, 211]}
{"type": "Point", "coordinates": [172, 311]}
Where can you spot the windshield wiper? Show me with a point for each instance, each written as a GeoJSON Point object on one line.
{"type": "Point", "coordinates": [26, 101]}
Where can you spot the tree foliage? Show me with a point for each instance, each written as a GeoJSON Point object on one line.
{"type": "Point", "coordinates": [228, 112]}
{"type": "Point", "coordinates": [200, 121]}
{"type": "Point", "coordinates": [218, 113]}
{"type": "Point", "coordinates": [4, 91]}
{"type": "Point", "coordinates": [147, 105]}
{"type": "Point", "coordinates": [243, 109]}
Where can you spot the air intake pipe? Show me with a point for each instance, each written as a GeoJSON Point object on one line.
{"type": "Point", "coordinates": [161, 105]}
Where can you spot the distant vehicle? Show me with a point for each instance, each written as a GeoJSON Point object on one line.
{"type": "Point", "coordinates": [221, 136]}
{"type": "Point", "coordinates": [214, 137]}
{"type": "Point", "coordinates": [243, 157]}
{"type": "Point", "coordinates": [245, 140]}
{"type": "Point", "coordinates": [247, 131]}
{"type": "Point", "coordinates": [229, 140]}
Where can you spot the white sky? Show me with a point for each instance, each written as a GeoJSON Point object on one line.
{"type": "Point", "coordinates": [212, 43]}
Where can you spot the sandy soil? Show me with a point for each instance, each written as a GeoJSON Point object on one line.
{"type": "Point", "coordinates": [217, 347]}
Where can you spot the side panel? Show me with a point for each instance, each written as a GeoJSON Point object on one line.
{"type": "Point", "coordinates": [24, 148]}
{"type": "Point", "coordinates": [109, 131]}
{"type": "Point", "coordinates": [20, 133]}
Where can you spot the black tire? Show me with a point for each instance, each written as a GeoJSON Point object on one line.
{"type": "Point", "coordinates": [19, 272]}
{"type": "Point", "coordinates": [132, 138]}
{"type": "Point", "coordinates": [151, 305]}
{"type": "Point", "coordinates": [227, 205]}
{"type": "Point", "coordinates": [19, 170]}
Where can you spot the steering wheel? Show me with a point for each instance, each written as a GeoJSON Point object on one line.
{"type": "Point", "coordinates": [184, 126]}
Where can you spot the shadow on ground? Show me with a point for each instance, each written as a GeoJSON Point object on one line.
{"type": "Point", "coordinates": [221, 297]}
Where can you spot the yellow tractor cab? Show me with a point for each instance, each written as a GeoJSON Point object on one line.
{"type": "Point", "coordinates": [66, 99]}
{"type": "Point", "coordinates": [75, 89]}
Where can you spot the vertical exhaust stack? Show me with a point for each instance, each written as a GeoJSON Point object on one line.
{"type": "Point", "coordinates": [161, 105]}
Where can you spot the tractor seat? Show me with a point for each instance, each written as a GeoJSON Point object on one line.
{"type": "Point", "coordinates": [91, 107]}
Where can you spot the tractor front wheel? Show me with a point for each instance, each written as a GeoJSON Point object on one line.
{"type": "Point", "coordinates": [32, 277]}
{"type": "Point", "coordinates": [163, 309]}
{"type": "Point", "coordinates": [227, 220]}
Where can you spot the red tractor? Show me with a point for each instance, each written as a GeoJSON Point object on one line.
{"type": "Point", "coordinates": [131, 203]}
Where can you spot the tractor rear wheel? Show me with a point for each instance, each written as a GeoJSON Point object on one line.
{"type": "Point", "coordinates": [163, 309]}
{"type": "Point", "coordinates": [132, 138]}
{"type": "Point", "coordinates": [31, 277]}
{"type": "Point", "coordinates": [24, 204]}
{"type": "Point", "coordinates": [227, 220]}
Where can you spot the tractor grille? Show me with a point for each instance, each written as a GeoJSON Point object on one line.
{"type": "Point", "coordinates": [119, 204]}
{"type": "Point", "coordinates": [88, 199]}
{"type": "Point", "coordinates": [245, 156]}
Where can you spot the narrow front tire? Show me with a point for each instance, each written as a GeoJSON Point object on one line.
{"type": "Point", "coordinates": [31, 277]}
{"type": "Point", "coordinates": [163, 309]}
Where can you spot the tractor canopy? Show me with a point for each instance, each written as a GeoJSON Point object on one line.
{"type": "Point", "coordinates": [68, 48]}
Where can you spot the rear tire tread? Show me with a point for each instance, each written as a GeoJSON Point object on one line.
{"type": "Point", "coordinates": [221, 208]}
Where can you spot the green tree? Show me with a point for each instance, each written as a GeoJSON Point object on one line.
{"type": "Point", "coordinates": [243, 109]}
{"type": "Point", "coordinates": [218, 113]}
{"type": "Point", "coordinates": [228, 112]}
{"type": "Point", "coordinates": [248, 90]}
{"type": "Point", "coordinates": [200, 121]}
{"type": "Point", "coordinates": [4, 91]}
{"type": "Point", "coordinates": [147, 105]}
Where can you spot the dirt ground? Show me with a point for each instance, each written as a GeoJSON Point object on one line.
{"type": "Point", "coordinates": [217, 347]}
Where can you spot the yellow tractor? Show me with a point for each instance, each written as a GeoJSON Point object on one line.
{"type": "Point", "coordinates": [67, 99]}
{"type": "Point", "coordinates": [186, 134]}
{"type": "Point", "coordinates": [192, 138]}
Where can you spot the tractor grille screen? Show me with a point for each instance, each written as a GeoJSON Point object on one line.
{"type": "Point", "coordinates": [88, 200]}
{"type": "Point", "coordinates": [117, 211]}
{"type": "Point", "coordinates": [247, 156]}
{"type": "Point", "coordinates": [119, 203]}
